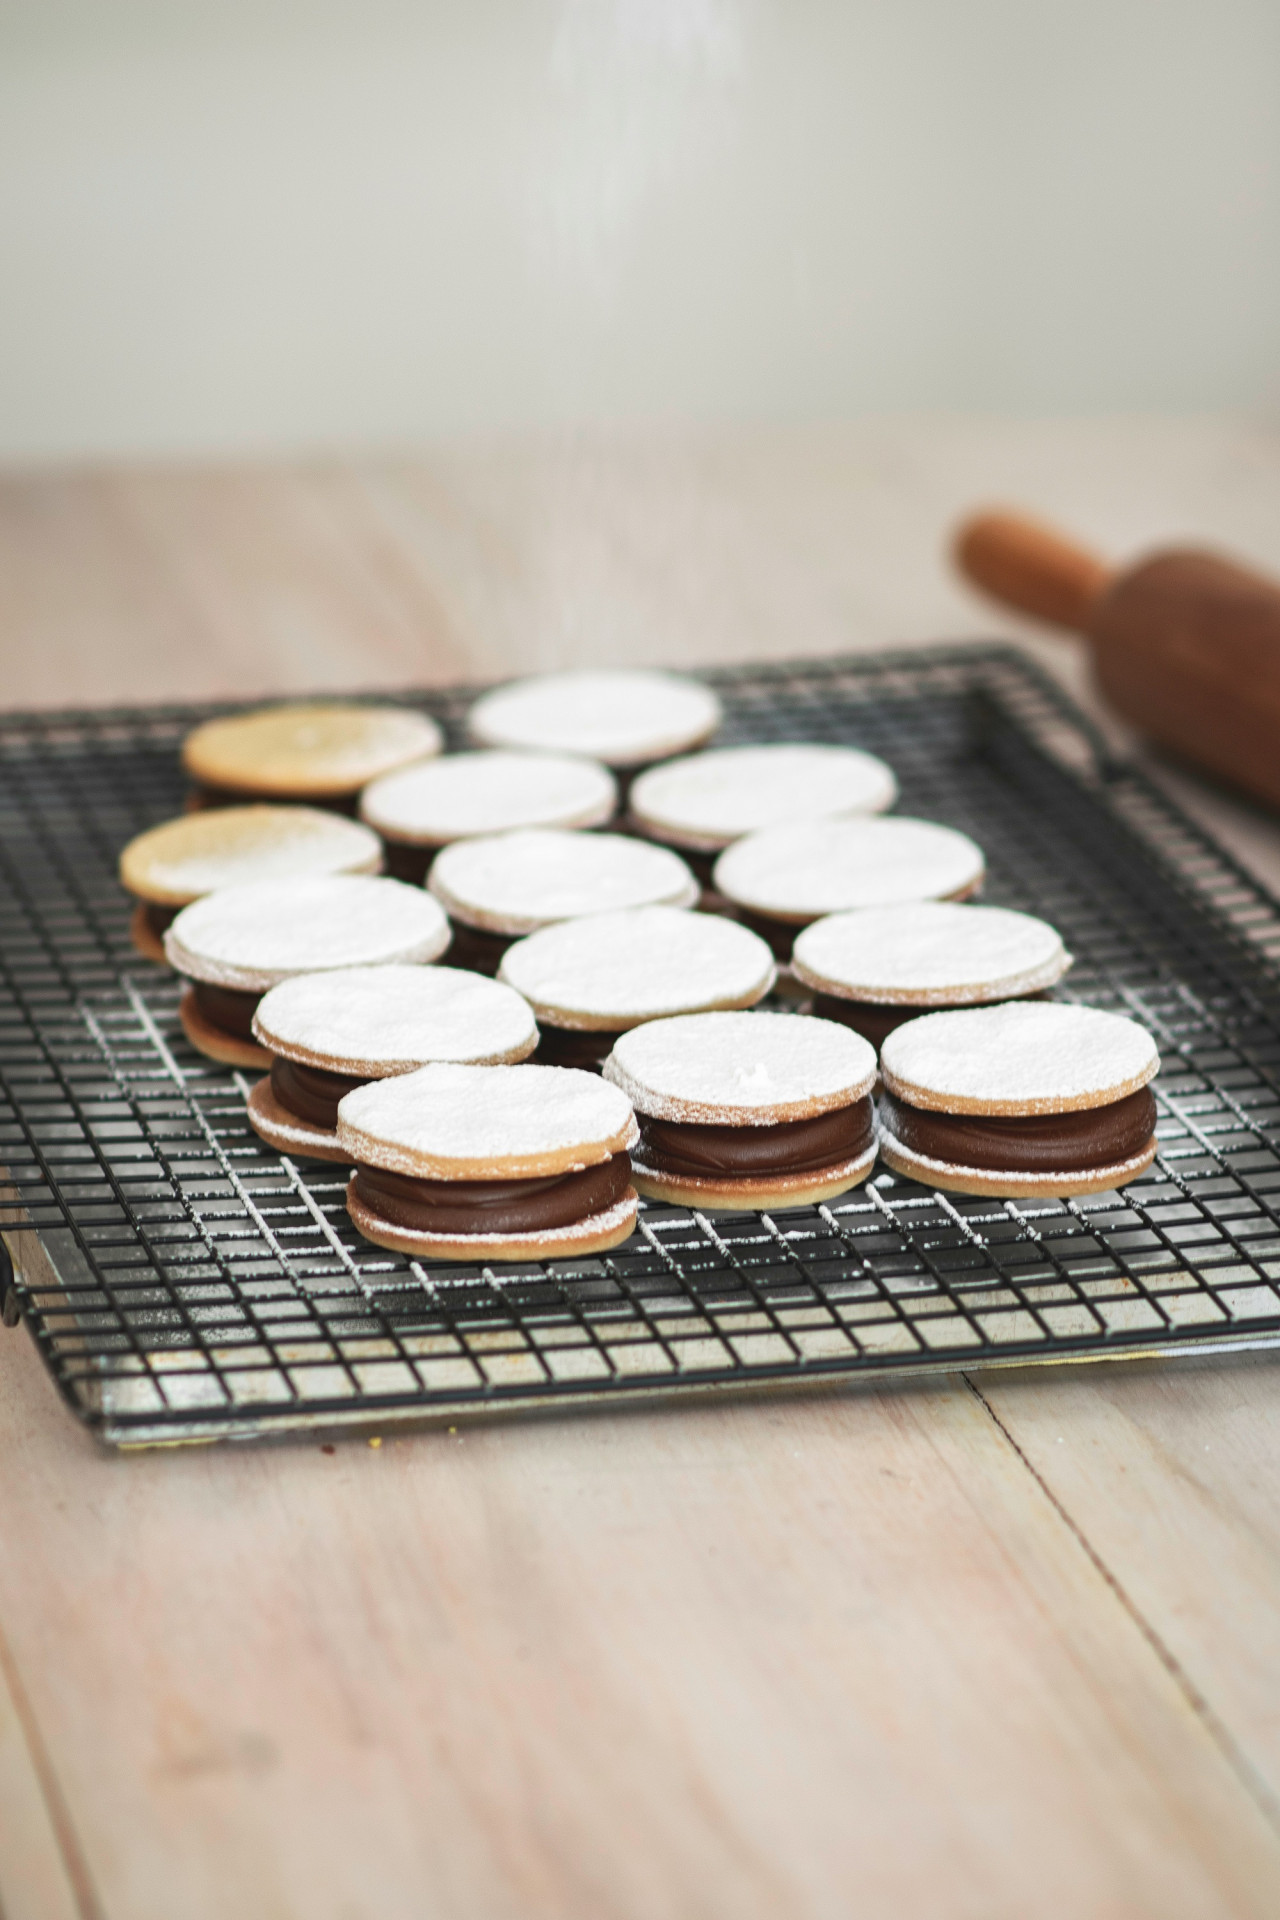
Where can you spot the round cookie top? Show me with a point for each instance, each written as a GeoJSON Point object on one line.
{"type": "Point", "coordinates": [183, 859]}
{"type": "Point", "coordinates": [1025, 1057]}
{"type": "Point", "coordinates": [800, 872]}
{"type": "Point", "coordinates": [929, 953]}
{"type": "Point", "coordinates": [465, 794]}
{"type": "Point", "coordinates": [613, 970]}
{"type": "Point", "coordinates": [374, 1021]}
{"type": "Point", "coordinates": [625, 718]}
{"type": "Point", "coordinates": [741, 1069]}
{"type": "Point", "coordinates": [307, 752]}
{"type": "Point", "coordinates": [486, 1123]}
{"type": "Point", "coordinates": [250, 938]}
{"type": "Point", "coordinates": [708, 799]}
{"type": "Point", "coordinates": [518, 882]}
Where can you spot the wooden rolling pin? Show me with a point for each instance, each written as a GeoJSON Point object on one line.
{"type": "Point", "coordinates": [1186, 645]}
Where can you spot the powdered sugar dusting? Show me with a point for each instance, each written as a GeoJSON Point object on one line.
{"type": "Point", "coordinates": [465, 794]}
{"type": "Point", "coordinates": [374, 1021]}
{"type": "Point", "coordinates": [799, 872]}
{"type": "Point", "coordinates": [1023, 1057]}
{"type": "Point", "coordinates": [624, 718]}
{"type": "Point", "coordinates": [482, 1123]}
{"type": "Point", "coordinates": [230, 846]}
{"type": "Point", "coordinates": [615, 969]}
{"type": "Point", "coordinates": [254, 936]}
{"type": "Point", "coordinates": [517, 882]}
{"type": "Point", "coordinates": [930, 952]}
{"type": "Point", "coordinates": [708, 799]}
{"type": "Point", "coordinates": [741, 1069]}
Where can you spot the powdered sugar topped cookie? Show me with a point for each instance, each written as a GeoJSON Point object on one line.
{"type": "Point", "coordinates": [465, 794]}
{"type": "Point", "coordinates": [746, 1069]}
{"type": "Point", "coordinates": [798, 873]}
{"type": "Point", "coordinates": [513, 883]}
{"type": "Point", "coordinates": [625, 718]}
{"type": "Point", "coordinates": [705, 801]}
{"type": "Point", "coordinates": [486, 1123]}
{"type": "Point", "coordinates": [319, 751]}
{"type": "Point", "coordinates": [371, 1022]}
{"type": "Point", "coordinates": [178, 862]}
{"type": "Point", "coordinates": [930, 953]}
{"type": "Point", "coordinates": [1025, 1057]}
{"type": "Point", "coordinates": [612, 970]}
{"type": "Point", "coordinates": [249, 938]}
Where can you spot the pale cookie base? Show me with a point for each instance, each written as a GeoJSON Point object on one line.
{"type": "Point", "coordinates": [744, 1195]}
{"type": "Point", "coordinates": [286, 1132]}
{"type": "Point", "coordinates": [145, 938]}
{"type": "Point", "coordinates": [226, 1048]}
{"type": "Point", "coordinates": [596, 1234]}
{"type": "Point", "coordinates": [1013, 1186]}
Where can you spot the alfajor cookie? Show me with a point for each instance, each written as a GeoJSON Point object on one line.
{"type": "Point", "coordinates": [590, 980]}
{"type": "Point", "coordinates": [169, 866]}
{"type": "Point", "coordinates": [490, 1163]}
{"type": "Point", "coordinates": [320, 752]}
{"type": "Point", "coordinates": [329, 1033]}
{"type": "Point", "coordinates": [878, 967]}
{"type": "Point", "coordinates": [507, 884]}
{"type": "Point", "coordinates": [626, 718]}
{"type": "Point", "coordinates": [704, 801]}
{"type": "Point", "coordinates": [784, 877]}
{"type": "Point", "coordinates": [747, 1110]}
{"type": "Point", "coordinates": [235, 944]}
{"type": "Point", "coordinates": [463, 795]}
{"type": "Point", "coordinates": [1033, 1097]}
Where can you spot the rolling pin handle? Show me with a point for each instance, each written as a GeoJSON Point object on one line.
{"type": "Point", "coordinates": [1031, 567]}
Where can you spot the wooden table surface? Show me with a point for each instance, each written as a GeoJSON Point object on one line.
{"type": "Point", "coordinates": [1001, 1646]}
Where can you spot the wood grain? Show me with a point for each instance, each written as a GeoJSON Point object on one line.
{"type": "Point", "coordinates": [1004, 1652]}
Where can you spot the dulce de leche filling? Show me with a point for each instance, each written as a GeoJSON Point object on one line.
{"type": "Point", "coordinates": [493, 1206]}
{"type": "Point", "coordinates": [754, 1153]}
{"type": "Point", "coordinates": [1034, 1143]}
{"type": "Point", "coordinates": [227, 1007]}
{"type": "Point", "coordinates": [310, 1093]}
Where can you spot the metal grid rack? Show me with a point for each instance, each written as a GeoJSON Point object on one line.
{"type": "Point", "coordinates": [183, 1281]}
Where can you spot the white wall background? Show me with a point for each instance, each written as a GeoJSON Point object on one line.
{"type": "Point", "coordinates": [280, 224]}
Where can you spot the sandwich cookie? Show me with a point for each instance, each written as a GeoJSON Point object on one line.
{"type": "Point", "coordinates": [746, 1110]}
{"type": "Point", "coordinates": [702, 803]}
{"type": "Point", "coordinates": [490, 1163]}
{"type": "Point", "coordinates": [1032, 1097]}
{"type": "Point", "coordinates": [590, 980]}
{"type": "Point", "coordinates": [625, 718]}
{"type": "Point", "coordinates": [784, 877]}
{"type": "Point", "coordinates": [508, 884]}
{"type": "Point", "coordinates": [329, 1033]}
{"type": "Point", "coordinates": [463, 795]}
{"type": "Point", "coordinates": [234, 945]}
{"type": "Point", "coordinates": [169, 866]}
{"type": "Point", "coordinates": [322, 753]}
{"type": "Point", "coordinates": [884, 965]}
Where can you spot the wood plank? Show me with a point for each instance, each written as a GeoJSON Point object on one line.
{"type": "Point", "coordinates": [744, 1660]}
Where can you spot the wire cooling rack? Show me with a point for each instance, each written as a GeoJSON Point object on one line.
{"type": "Point", "coordinates": [183, 1281]}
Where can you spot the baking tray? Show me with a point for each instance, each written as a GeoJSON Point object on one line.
{"type": "Point", "coordinates": [184, 1282]}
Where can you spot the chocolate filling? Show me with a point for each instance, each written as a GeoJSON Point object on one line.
{"type": "Point", "coordinates": [780, 934]}
{"type": "Point", "coordinates": [568, 1047]}
{"type": "Point", "coordinates": [227, 1007]}
{"type": "Point", "coordinates": [477, 950]}
{"type": "Point", "coordinates": [493, 1206]}
{"type": "Point", "coordinates": [158, 918]}
{"type": "Point", "coordinates": [310, 1093]}
{"type": "Point", "coordinates": [874, 1020]}
{"type": "Point", "coordinates": [1033, 1143]}
{"type": "Point", "coordinates": [201, 799]}
{"type": "Point", "coordinates": [793, 1146]}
